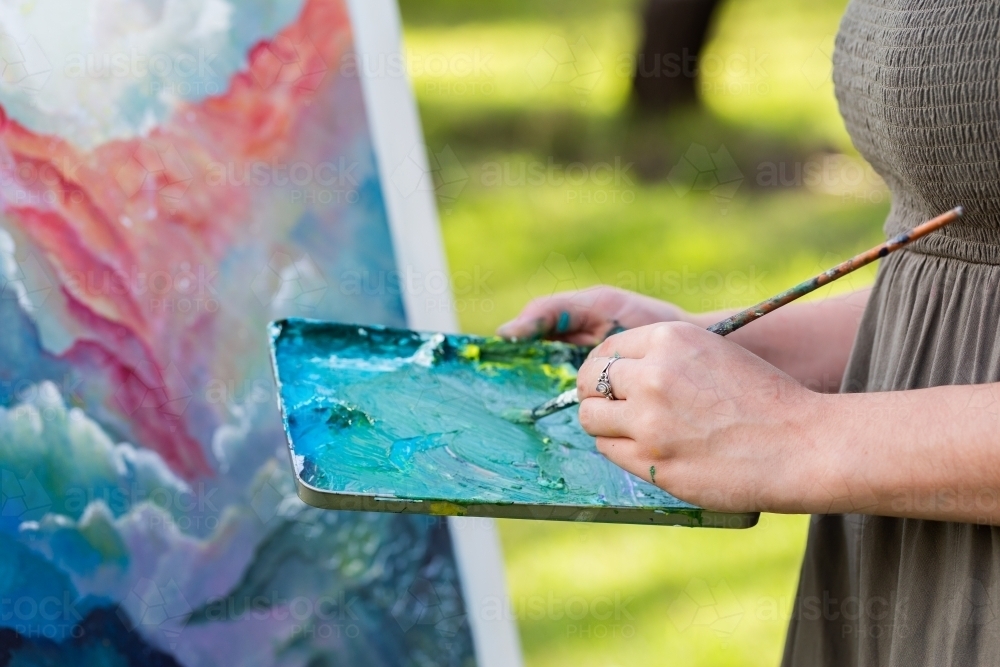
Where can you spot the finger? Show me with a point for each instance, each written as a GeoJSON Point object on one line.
{"type": "Point", "coordinates": [560, 314]}
{"type": "Point", "coordinates": [602, 418]}
{"type": "Point", "coordinates": [633, 343]}
{"type": "Point", "coordinates": [584, 339]}
{"type": "Point", "coordinates": [629, 456]}
{"type": "Point", "coordinates": [622, 373]}
{"type": "Point", "coordinates": [592, 336]}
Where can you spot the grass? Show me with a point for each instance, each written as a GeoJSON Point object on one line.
{"type": "Point", "coordinates": [634, 595]}
{"type": "Point", "coordinates": [549, 179]}
{"type": "Point", "coordinates": [518, 244]}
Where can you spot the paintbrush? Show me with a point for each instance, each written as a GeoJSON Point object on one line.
{"type": "Point", "coordinates": [742, 318]}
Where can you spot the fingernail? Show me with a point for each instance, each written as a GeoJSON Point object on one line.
{"type": "Point", "coordinates": [562, 325]}
{"type": "Point", "coordinates": [541, 329]}
{"type": "Point", "coordinates": [507, 328]}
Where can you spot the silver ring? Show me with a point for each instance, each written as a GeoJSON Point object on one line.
{"type": "Point", "coordinates": [604, 381]}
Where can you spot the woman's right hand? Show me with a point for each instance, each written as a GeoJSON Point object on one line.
{"type": "Point", "coordinates": [586, 317]}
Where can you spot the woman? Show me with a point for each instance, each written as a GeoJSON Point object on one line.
{"type": "Point", "coordinates": [902, 467]}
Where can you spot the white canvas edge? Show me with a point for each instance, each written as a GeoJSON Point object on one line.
{"type": "Point", "coordinates": [413, 221]}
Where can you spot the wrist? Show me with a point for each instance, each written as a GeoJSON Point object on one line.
{"type": "Point", "coordinates": [832, 480]}
{"type": "Point", "coordinates": [816, 474]}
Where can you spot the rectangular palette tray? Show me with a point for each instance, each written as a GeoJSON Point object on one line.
{"type": "Point", "coordinates": [392, 420]}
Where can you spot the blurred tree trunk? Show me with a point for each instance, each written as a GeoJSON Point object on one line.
{"type": "Point", "coordinates": [666, 67]}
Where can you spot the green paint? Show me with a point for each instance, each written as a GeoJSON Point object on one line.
{"type": "Point", "coordinates": [345, 416]}
{"type": "Point", "coordinates": [421, 416]}
{"type": "Point", "coordinates": [652, 474]}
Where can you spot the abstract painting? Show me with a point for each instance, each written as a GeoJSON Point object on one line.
{"type": "Point", "coordinates": [173, 175]}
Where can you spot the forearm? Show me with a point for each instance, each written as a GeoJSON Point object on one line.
{"type": "Point", "coordinates": [928, 454]}
{"type": "Point", "coordinates": [811, 341]}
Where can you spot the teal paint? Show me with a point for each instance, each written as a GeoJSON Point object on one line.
{"type": "Point", "coordinates": [394, 413]}
{"type": "Point", "coordinates": [562, 326]}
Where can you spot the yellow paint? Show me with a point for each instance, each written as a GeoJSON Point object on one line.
{"type": "Point", "coordinates": [564, 373]}
{"type": "Point", "coordinates": [444, 508]}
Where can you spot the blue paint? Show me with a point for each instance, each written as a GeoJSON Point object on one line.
{"type": "Point", "coordinates": [402, 451]}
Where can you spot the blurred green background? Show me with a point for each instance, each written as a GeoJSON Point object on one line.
{"type": "Point", "coordinates": [548, 178]}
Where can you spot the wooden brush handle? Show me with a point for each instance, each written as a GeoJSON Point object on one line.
{"type": "Point", "coordinates": [742, 318]}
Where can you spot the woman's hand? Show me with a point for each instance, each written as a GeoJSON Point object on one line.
{"type": "Point", "coordinates": [703, 418]}
{"type": "Point", "coordinates": [809, 341]}
{"type": "Point", "coordinates": [585, 317]}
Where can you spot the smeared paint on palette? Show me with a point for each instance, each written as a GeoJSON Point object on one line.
{"type": "Point", "coordinates": [401, 421]}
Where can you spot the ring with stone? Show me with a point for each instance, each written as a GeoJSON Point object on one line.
{"type": "Point", "coordinates": [604, 381]}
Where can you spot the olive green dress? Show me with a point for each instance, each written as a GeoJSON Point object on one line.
{"type": "Point", "coordinates": [918, 82]}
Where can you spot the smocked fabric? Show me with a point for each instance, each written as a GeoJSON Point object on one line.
{"type": "Point", "coordinates": [918, 83]}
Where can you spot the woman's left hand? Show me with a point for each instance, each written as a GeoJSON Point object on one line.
{"type": "Point", "coordinates": [703, 418]}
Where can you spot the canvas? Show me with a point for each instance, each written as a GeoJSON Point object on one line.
{"type": "Point", "coordinates": [173, 175]}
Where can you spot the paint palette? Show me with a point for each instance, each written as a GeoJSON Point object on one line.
{"type": "Point", "coordinates": [391, 420]}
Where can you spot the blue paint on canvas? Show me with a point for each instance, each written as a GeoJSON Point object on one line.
{"type": "Point", "coordinates": [153, 220]}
